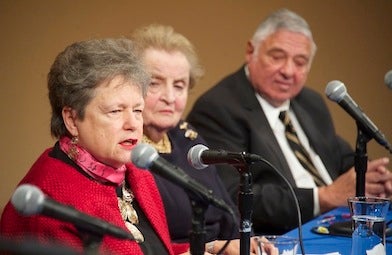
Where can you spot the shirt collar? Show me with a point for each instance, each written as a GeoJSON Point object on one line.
{"type": "Point", "coordinates": [271, 112]}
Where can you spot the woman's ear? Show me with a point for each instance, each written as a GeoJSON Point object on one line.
{"type": "Point", "coordinates": [69, 118]}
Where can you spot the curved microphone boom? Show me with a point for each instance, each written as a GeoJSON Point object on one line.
{"type": "Point", "coordinates": [146, 157]}
{"type": "Point", "coordinates": [30, 200]}
{"type": "Point", "coordinates": [336, 91]}
{"type": "Point", "coordinates": [199, 156]}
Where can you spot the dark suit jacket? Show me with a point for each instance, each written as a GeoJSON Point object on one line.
{"type": "Point", "coordinates": [219, 225]}
{"type": "Point", "coordinates": [230, 117]}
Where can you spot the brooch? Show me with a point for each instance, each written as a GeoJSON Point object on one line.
{"type": "Point", "coordinates": [189, 133]}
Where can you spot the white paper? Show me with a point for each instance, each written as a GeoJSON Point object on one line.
{"type": "Point", "coordinates": [379, 249]}
{"type": "Point", "coordinates": [287, 252]}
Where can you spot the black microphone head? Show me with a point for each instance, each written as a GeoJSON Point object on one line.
{"type": "Point", "coordinates": [194, 156]}
{"type": "Point", "coordinates": [28, 199]}
{"type": "Point", "coordinates": [335, 90]}
{"type": "Point", "coordinates": [388, 79]}
{"type": "Point", "coordinates": [143, 155]}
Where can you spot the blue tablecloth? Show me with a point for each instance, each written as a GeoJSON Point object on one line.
{"type": "Point", "coordinates": [321, 244]}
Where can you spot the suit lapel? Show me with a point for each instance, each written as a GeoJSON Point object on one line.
{"type": "Point", "coordinates": [263, 139]}
{"type": "Point", "coordinates": [267, 144]}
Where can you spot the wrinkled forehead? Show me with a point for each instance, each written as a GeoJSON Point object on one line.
{"type": "Point", "coordinates": [293, 43]}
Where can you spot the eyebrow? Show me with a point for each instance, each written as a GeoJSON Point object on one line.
{"type": "Point", "coordinates": [280, 50]}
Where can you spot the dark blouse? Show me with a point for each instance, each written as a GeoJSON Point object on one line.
{"type": "Point", "coordinates": [218, 223]}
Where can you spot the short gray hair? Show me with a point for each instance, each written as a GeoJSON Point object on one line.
{"type": "Point", "coordinates": [81, 67]}
{"type": "Point", "coordinates": [287, 20]}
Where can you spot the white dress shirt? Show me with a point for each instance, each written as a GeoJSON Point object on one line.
{"type": "Point", "coordinates": [302, 177]}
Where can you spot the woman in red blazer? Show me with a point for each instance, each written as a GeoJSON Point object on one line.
{"type": "Point", "coordinates": [96, 91]}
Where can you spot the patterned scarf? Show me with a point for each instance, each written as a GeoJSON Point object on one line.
{"type": "Point", "coordinates": [90, 165]}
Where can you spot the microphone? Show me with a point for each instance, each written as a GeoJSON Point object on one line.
{"type": "Point", "coordinates": [336, 91]}
{"type": "Point", "coordinates": [146, 157]}
{"type": "Point", "coordinates": [388, 79]}
{"type": "Point", "coordinates": [30, 200]}
{"type": "Point", "coordinates": [199, 156]}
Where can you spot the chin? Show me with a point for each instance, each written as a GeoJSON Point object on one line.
{"type": "Point", "coordinates": [166, 126]}
{"type": "Point", "coordinates": [119, 162]}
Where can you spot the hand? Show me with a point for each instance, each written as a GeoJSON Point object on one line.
{"type": "Point", "coordinates": [378, 179]}
{"type": "Point", "coordinates": [263, 246]}
{"type": "Point", "coordinates": [378, 183]}
{"type": "Point", "coordinates": [233, 248]}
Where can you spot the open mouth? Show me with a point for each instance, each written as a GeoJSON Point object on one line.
{"type": "Point", "coordinates": [129, 142]}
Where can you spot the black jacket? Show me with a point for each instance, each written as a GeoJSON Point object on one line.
{"type": "Point", "coordinates": [230, 117]}
{"type": "Point", "coordinates": [218, 224]}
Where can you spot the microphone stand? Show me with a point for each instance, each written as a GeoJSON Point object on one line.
{"type": "Point", "coordinates": [245, 207]}
{"type": "Point", "coordinates": [360, 166]}
{"type": "Point", "coordinates": [360, 161]}
{"type": "Point", "coordinates": [198, 234]}
{"type": "Point", "coordinates": [91, 242]}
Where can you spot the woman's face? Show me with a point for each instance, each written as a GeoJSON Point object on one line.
{"type": "Point", "coordinates": [113, 122]}
{"type": "Point", "coordinates": [168, 92]}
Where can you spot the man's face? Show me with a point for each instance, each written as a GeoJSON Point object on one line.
{"type": "Point", "coordinates": [278, 69]}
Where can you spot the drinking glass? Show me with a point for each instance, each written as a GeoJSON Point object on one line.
{"type": "Point", "coordinates": [368, 215]}
{"type": "Point", "coordinates": [282, 245]}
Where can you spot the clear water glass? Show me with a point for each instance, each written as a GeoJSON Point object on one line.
{"type": "Point", "coordinates": [368, 215]}
{"type": "Point", "coordinates": [277, 245]}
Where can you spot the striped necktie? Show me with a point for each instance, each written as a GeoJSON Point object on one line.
{"type": "Point", "coordinates": [299, 150]}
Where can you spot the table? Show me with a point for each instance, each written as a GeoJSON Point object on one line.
{"type": "Point", "coordinates": [321, 244]}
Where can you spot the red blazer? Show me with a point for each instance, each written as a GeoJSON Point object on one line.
{"type": "Point", "coordinates": [68, 186]}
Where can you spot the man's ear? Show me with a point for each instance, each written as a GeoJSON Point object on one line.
{"type": "Point", "coordinates": [69, 117]}
{"type": "Point", "coordinates": [250, 49]}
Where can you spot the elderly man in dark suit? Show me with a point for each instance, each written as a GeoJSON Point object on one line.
{"type": "Point", "coordinates": [264, 108]}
